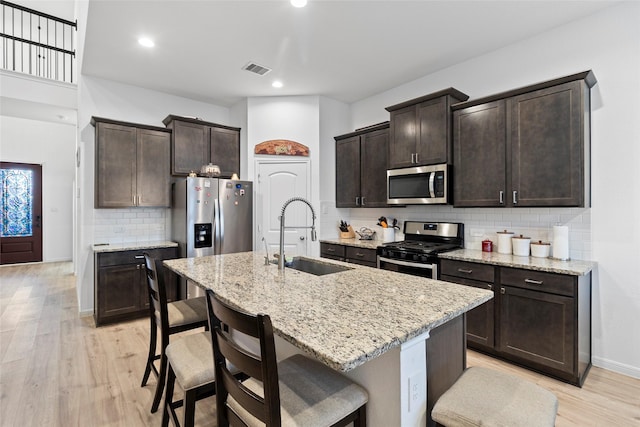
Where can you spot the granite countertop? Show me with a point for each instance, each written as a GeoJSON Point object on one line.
{"type": "Point", "coordinates": [366, 244]}
{"type": "Point", "coordinates": [343, 319]}
{"type": "Point", "coordinates": [117, 247]}
{"type": "Point", "coordinates": [550, 265]}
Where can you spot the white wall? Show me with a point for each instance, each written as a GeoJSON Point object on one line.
{"type": "Point", "coordinates": [53, 146]}
{"type": "Point", "coordinates": [296, 118]}
{"type": "Point", "coordinates": [103, 98]}
{"type": "Point", "coordinates": [607, 42]}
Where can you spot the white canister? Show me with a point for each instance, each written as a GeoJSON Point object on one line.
{"type": "Point", "coordinates": [388, 234]}
{"type": "Point", "coordinates": [521, 245]}
{"type": "Point", "coordinates": [504, 241]}
{"type": "Point", "coordinates": [540, 249]}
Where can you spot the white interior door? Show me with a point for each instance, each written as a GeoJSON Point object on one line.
{"type": "Point", "coordinates": [277, 182]}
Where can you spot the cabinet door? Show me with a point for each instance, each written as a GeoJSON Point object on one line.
{"type": "Point", "coordinates": [153, 160]}
{"type": "Point", "coordinates": [374, 148]}
{"type": "Point", "coordinates": [115, 166]}
{"type": "Point", "coordinates": [348, 172]}
{"type": "Point", "coordinates": [433, 145]}
{"type": "Point", "coordinates": [361, 256]}
{"type": "Point", "coordinates": [480, 320]}
{"type": "Point", "coordinates": [225, 151]}
{"type": "Point", "coordinates": [547, 159]}
{"type": "Point", "coordinates": [190, 147]}
{"type": "Point", "coordinates": [403, 137]}
{"type": "Point", "coordinates": [537, 327]}
{"type": "Point", "coordinates": [119, 290]}
{"type": "Point", "coordinates": [479, 151]}
{"type": "Point", "coordinates": [332, 251]}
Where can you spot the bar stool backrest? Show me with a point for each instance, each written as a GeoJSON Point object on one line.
{"type": "Point", "coordinates": [224, 321]}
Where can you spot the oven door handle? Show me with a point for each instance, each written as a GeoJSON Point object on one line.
{"type": "Point", "coordinates": [432, 267]}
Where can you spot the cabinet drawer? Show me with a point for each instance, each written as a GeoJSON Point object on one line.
{"type": "Point", "coordinates": [331, 250]}
{"type": "Point", "coordinates": [539, 281]}
{"type": "Point", "coordinates": [468, 270]}
{"type": "Point", "coordinates": [134, 257]}
{"type": "Point", "coordinates": [354, 254]}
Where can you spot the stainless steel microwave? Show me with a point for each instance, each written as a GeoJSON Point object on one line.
{"type": "Point", "coordinates": [418, 185]}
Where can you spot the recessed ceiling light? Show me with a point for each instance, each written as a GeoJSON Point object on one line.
{"type": "Point", "coordinates": [277, 84]}
{"type": "Point", "coordinates": [298, 3]}
{"type": "Point", "coordinates": [146, 42]}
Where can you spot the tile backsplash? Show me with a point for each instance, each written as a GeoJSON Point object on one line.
{"type": "Point", "coordinates": [148, 224]}
{"type": "Point", "coordinates": [479, 223]}
{"type": "Point", "coordinates": [131, 225]}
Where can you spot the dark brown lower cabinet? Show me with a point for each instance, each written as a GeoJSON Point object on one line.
{"type": "Point", "coordinates": [120, 287]}
{"type": "Point", "coordinates": [480, 322]}
{"type": "Point", "coordinates": [537, 327]}
{"type": "Point", "coordinates": [332, 251]}
{"type": "Point", "coordinates": [537, 319]}
{"type": "Point", "coordinates": [352, 254]}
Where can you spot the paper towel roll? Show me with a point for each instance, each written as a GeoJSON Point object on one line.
{"type": "Point", "coordinates": [561, 242]}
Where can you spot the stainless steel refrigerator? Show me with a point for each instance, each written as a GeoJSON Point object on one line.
{"type": "Point", "coordinates": [211, 216]}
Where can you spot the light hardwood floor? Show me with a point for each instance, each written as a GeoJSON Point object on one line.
{"type": "Point", "coordinates": [58, 369]}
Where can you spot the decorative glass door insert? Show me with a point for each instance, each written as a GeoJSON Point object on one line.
{"type": "Point", "coordinates": [20, 212]}
{"type": "Point", "coordinates": [17, 202]}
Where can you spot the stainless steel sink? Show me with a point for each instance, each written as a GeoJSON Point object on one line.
{"type": "Point", "coordinates": [317, 268]}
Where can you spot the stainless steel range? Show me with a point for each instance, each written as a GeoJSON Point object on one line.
{"type": "Point", "coordinates": [418, 253]}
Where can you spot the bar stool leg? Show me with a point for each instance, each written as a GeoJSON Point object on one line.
{"type": "Point", "coordinates": [162, 374]}
{"type": "Point", "coordinates": [152, 352]}
{"type": "Point", "coordinates": [168, 398]}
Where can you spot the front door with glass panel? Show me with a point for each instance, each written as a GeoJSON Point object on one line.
{"type": "Point", "coordinates": [21, 209]}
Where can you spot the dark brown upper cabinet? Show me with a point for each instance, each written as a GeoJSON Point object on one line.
{"type": "Point", "coordinates": [361, 167]}
{"type": "Point", "coordinates": [195, 143]}
{"type": "Point", "coordinates": [420, 130]}
{"type": "Point", "coordinates": [132, 165]}
{"type": "Point", "coordinates": [528, 147]}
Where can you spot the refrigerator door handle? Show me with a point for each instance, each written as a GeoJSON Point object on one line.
{"type": "Point", "coordinates": [219, 226]}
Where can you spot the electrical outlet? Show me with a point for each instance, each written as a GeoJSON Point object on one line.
{"type": "Point", "coordinates": [416, 391]}
{"type": "Point", "coordinates": [476, 232]}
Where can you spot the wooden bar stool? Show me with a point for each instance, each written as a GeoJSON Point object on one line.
{"type": "Point", "coordinates": [170, 318]}
{"type": "Point", "coordinates": [190, 363]}
{"type": "Point", "coordinates": [297, 391]}
{"type": "Point", "coordinates": [488, 398]}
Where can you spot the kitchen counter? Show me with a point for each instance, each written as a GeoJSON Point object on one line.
{"type": "Point", "coordinates": [367, 311]}
{"type": "Point", "coordinates": [357, 243]}
{"type": "Point", "coordinates": [550, 265]}
{"type": "Point", "coordinates": [117, 247]}
{"type": "Point", "coordinates": [373, 325]}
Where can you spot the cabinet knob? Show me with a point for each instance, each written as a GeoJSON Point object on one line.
{"type": "Point", "coordinates": [362, 201]}
{"type": "Point", "coordinates": [417, 161]}
{"type": "Point", "coordinates": [358, 254]}
{"type": "Point", "coordinates": [515, 197]}
{"type": "Point", "coordinates": [330, 250]}
{"type": "Point", "coordinates": [501, 197]}
{"type": "Point", "coordinates": [357, 201]}
{"type": "Point", "coordinates": [413, 158]}
{"type": "Point", "coordinates": [490, 287]}
{"type": "Point", "coordinates": [503, 291]}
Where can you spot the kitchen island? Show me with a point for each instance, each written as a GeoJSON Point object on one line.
{"type": "Point", "coordinates": [373, 325]}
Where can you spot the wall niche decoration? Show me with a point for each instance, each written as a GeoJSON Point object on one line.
{"type": "Point", "coordinates": [282, 147]}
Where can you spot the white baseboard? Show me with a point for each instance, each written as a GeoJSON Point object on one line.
{"type": "Point", "coordinates": [86, 313]}
{"type": "Point", "coordinates": [621, 368]}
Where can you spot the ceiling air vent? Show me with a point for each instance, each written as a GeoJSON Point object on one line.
{"type": "Point", "coordinates": [257, 69]}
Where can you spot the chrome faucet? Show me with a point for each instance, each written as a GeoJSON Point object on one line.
{"type": "Point", "coordinates": [282, 227]}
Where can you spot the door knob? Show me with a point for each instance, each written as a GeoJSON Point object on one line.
{"type": "Point", "coordinates": [301, 237]}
